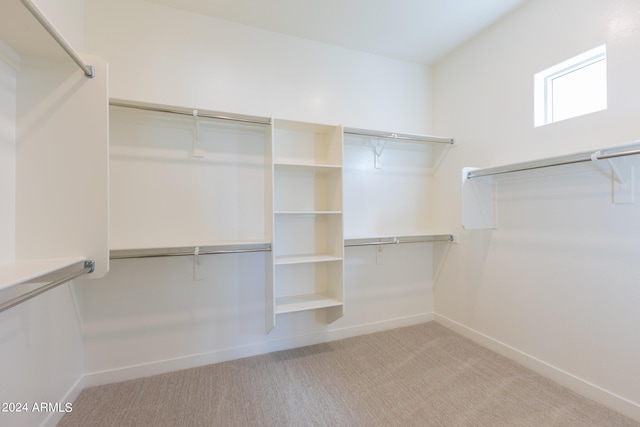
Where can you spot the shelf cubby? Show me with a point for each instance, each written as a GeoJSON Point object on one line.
{"type": "Point", "coordinates": [300, 143]}
{"type": "Point", "coordinates": [307, 189]}
{"type": "Point", "coordinates": [308, 286]}
{"type": "Point", "coordinates": [308, 245]}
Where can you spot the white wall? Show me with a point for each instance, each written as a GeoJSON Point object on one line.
{"type": "Point", "coordinates": [158, 54]}
{"type": "Point", "coordinates": [149, 316]}
{"type": "Point", "coordinates": [557, 282]}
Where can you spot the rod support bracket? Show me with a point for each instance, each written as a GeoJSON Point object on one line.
{"type": "Point", "coordinates": [91, 265]}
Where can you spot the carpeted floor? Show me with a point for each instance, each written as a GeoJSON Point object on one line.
{"type": "Point", "coordinates": [423, 375]}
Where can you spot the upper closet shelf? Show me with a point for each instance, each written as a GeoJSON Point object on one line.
{"type": "Point", "coordinates": [607, 153]}
{"type": "Point", "coordinates": [378, 141]}
{"type": "Point", "coordinates": [26, 30]}
{"type": "Point", "coordinates": [478, 189]}
{"type": "Point", "coordinates": [196, 113]}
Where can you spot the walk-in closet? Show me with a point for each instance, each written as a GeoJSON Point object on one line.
{"type": "Point", "coordinates": [221, 213]}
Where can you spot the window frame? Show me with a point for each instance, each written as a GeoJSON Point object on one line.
{"type": "Point", "coordinates": [543, 83]}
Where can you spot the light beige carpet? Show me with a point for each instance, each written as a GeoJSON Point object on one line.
{"type": "Point", "coordinates": [422, 375]}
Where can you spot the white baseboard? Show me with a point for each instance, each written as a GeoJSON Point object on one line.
{"type": "Point", "coordinates": [93, 379]}
{"type": "Point", "coordinates": [54, 418]}
{"type": "Point", "coordinates": [566, 379]}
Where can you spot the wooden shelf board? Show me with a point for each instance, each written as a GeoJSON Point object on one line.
{"type": "Point", "coordinates": [299, 166]}
{"type": "Point", "coordinates": [305, 259]}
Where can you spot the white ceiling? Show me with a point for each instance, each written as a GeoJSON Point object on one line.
{"type": "Point", "coordinates": [414, 30]}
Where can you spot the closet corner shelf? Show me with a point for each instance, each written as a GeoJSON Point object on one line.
{"type": "Point", "coordinates": [607, 153]}
{"type": "Point", "coordinates": [210, 249]}
{"type": "Point", "coordinates": [298, 303]}
{"type": "Point", "coordinates": [35, 271]}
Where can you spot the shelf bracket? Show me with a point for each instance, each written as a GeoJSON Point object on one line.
{"type": "Point", "coordinates": [378, 148]}
{"type": "Point", "coordinates": [380, 248]}
{"type": "Point", "coordinates": [198, 152]}
{"type": "Point", "coordinates": [622, 177]}
{"type": "Point", "coordinates": [197, 270]}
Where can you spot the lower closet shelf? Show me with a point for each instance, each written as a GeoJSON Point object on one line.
{"type": "Point", "coordinates": [305, 259]}
{"type": "Point", "coordinates": [296, 303]}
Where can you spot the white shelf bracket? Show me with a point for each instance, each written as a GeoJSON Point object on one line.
{"type": "Point", "coordinates": [378, 148]}
{"type": "Point", "coordinates": [622, 178]}
{"type": "Point", "coordinates": [197, 270]}
{"type": "Point", "coordinates": [198, 152]}
{"type": "Point", "coordinates": [380, 248]}
{"type": "Point", "coordinates": [478, 202]}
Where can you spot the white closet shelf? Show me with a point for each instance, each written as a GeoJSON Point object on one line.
{"type": "Point", "coordinates": [433, 147]}
{"type": "Point", "coordinates": [305, 167]}
{"type": "Point", "coordinates": [480, 193]}
{"type": "Point", "coordinates": [305, 212]}
{"type": "Point", "coordinates": [33, 271]}
{"type": "Point", "coordinates": [305, 259]}
{"type": "Point", "coordinates": [292, 304]}
{"type": "Point", "coordinates": [592, 156]}
{"type": "Point", "coordinates": [207, 249]}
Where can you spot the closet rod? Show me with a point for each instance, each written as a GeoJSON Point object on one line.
{"type": "Point", "coordinates": [171, 110]}
{"type": "Point", "coordinates": [398, 136]}
{"type": "Point", "coordinates": [379, 241]}
{"type": "Point", "coordinates": [87, 69]}
{"type": "Point", "coordinates": [189, 251]}
{"type": "Point", "coordinates": [85, 268]}
{"type": "Point", "coordinates": [555, 161]}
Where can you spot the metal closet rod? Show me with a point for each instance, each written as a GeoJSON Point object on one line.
{"type": "Point", "coordinates": [554, 161]}
{"type": "Point", "coordinates": [379, 241]}
{"type": "Point", "coordinates": [87, 267]}
{"type": "Point", "coordinates": [184, 112]}
{"type": "Point", "coordinates": [261, 247]}
{"type": "Point", "coordinates": [189, 251]}
{"type": "Point", "coordinates": [88, 70]}
{"type": "Point", "coordinates": [398, 136]}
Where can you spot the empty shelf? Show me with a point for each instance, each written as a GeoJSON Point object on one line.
{"type": "Point", "coordinates": [297, 303]}
{"type": "Point", "coordinates": [305, 259]}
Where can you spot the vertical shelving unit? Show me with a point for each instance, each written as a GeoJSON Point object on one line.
{"type": "Point", "coordinates": [308, 246]}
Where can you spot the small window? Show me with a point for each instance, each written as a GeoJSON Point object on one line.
{"type": "Point", "coordinates": [572, 88]}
